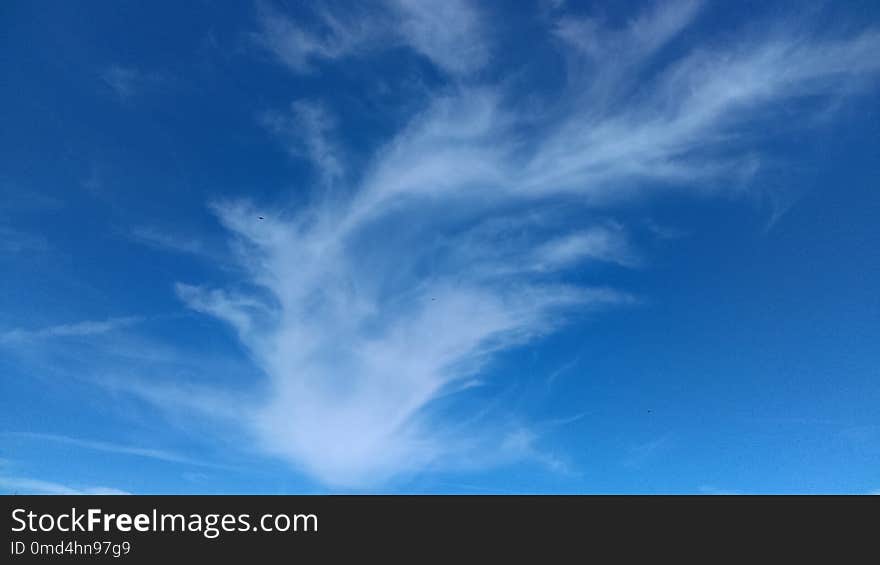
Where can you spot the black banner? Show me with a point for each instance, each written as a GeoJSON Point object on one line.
{"type": "Point", "coordinates": [155, 529]}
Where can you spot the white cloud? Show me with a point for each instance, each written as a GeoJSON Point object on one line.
{"type": "Point", "coordinates": [308, 131]}
{"type": "Point", "coordinates": [602, 243]}
{"type": "Point", "coordinates": [14, 241]}
{"type": "Point", "coordinates": [149, 453]}
{"type": "Point", "coordinates": [128, 82]}
{"type": "Point", "coordinates": [74, 330]}
{"type": "Point", "coordinates": [641, 454]}
{"type": "Point", "coordinates": [708, 489]}
{"type": "Point", "coordinates": [123, 81]}
{"type": "Point", "coordinates": [161, 238]}
{"type": "Point", "coordinates": [449, 34]}
{"type": "Point", "coordinates": [640, 38]}
{"type": "Point", "coordinates": [362, 312]}
{"type": "Point", "coordinates": [298, 45]}
{"type": "Point", "coordinates": [23, 485]}
{"type": "Point", "coordinates": [350, 414]}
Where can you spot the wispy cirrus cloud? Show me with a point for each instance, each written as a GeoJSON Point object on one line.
{"type": "Point", "coordinates": [448, 248]}
{"type": "Point", "coordinates": [331, 36]}
{"type": "Point", "coordinates": [126, 82]}
{"type": "Point", "coordinates": [26, 485]}
{"type": "Point", "coordinates": [114, 448]}
{"type": "Point", "coordinates": [308, 131]}
{"type": "Point", "coordinates": [449, 34]}
{"type": "Point", "coordinates": [14, 241]}
{"type": "Point", "coordinates": [598, 243]}
{"type": "Point", "coordinates": [74, 330]}
{"type": "Point", "coordinates": [641, 454]}
{"type": "Point", "coordinates": [708, 489]}
{"type": "Point", "coordinates": [163, 239]}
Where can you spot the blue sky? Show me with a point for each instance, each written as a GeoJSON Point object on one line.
{"type": "Point", "coordinates": [403, 246]}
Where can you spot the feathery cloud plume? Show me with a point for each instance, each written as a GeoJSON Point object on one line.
{"type": "Point", "coordinates": [362, 311]}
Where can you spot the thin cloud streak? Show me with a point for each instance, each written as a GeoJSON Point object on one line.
{"type": "Point", "coordinates": [24, 485]}
{"type": "Point", "coordinates": [157, 454]}
{"type": "Point", "coordinates": [14, 242]}
{"type": "Point", "coordinates": [74, 330]}
{"type": "Point", "coordinates": [129, 82]}
{"type": "Point", "coordinates": [161, 239]}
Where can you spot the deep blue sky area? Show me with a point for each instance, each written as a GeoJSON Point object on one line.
{"type": "Point", "coordinates": [457, 247]}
